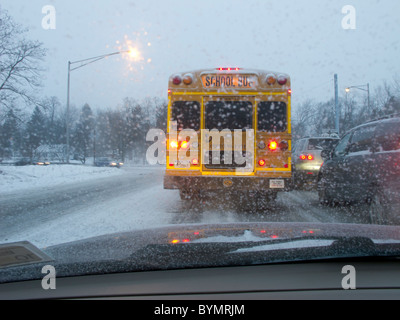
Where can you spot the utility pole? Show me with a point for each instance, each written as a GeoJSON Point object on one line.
{"type": "Point", "coordinates": [337, 111]}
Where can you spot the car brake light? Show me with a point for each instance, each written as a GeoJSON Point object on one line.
{"type": "Point", "coordinates": [306, 157]}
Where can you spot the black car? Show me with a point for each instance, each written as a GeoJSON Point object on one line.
{"type": "Point", "coordinates": [23, 162]}
{"type": "Point", "coordinates": [365, 167]}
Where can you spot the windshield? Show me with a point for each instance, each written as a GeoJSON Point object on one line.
{"type": "Point", "coordinates": [131, 129]}
{"type": "Point", "coordinates": [228, 115]}
{"type": "Point", "coordinates": [321, 144]}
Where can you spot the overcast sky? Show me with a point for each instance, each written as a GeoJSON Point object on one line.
{"type": "Point", "coordinates": [304, 39]}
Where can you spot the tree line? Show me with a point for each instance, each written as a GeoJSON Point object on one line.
{"type": "Point", "coordinates": [314, 118]}
{"type": "Point", "coordinates": [117, 132]}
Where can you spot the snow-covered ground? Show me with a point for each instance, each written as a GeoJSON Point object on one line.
{"type": "Point", "coordinates": [14, 178]}
{"type": "Point", "coordinates": [109, 200]}
{"type": "Point", "coordinates": [143, 207]}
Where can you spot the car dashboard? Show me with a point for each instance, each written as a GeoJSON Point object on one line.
{"type": "Point", "coordinates": [318, 280]}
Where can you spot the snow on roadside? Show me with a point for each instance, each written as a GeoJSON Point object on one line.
{"type": "Point", "coordinates": [31, 177]}
{"type": "Point", "coordinates": [124, 213]}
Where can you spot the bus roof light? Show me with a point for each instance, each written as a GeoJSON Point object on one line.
{"type": "Point", "coordinates": [187, 79]}
{"type": "Point", "coordinates": [177, 80]}
{"type": "Point", "coordinates": [228, 69]}
{"type": "Point", "coordinates": [282, 79]}
{"type": "Point", "coordinates": [271, 79]}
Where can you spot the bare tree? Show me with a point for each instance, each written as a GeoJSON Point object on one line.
{"type": "Point", "coordinates": [19, 62]}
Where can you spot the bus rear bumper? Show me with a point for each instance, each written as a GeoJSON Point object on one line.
{"type": "Point", "coordinates": [228, 183]}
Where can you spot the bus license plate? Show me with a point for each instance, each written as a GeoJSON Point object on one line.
{"type": "Point", "coordinates": [276, 183]}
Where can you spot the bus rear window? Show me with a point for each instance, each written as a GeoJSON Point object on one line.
{"type": "Point", "coordinates": [186, 114]}
{"type": "Point", "coordinates": [229, 115]}
{"type": "Point", "coordinates": [271, 116]}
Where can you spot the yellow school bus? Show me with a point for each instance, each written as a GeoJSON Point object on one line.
{"type": "Point", "coordinates": [229, 129]}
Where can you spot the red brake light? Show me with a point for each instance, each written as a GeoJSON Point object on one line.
{"type": "Point", "coordinates": [261, 162]}
{"type": "Point", "coordinates": [195, 162]}
{"type": "Point", "coordinates": [303, 157]}
{"type": "Point", "coordinates": [310, 157]}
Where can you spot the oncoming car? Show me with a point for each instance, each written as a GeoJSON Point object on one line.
{"type": "Point", "coordinates": [41, 162]}
{"type": "Point", "coordinates": [307, 159]}
{"type": "Point", "coordinates": [107, 162]}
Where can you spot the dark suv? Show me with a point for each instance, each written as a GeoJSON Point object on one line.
{"type": "Point", "coordinates": [365, 166]}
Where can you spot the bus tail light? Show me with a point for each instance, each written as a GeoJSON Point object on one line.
{"type": "Point", "coordinates": [272, 145]}
{"type": "Point", "coordinates": [184, 144]}
{"type": "Point", "coordinates": [195, 162]}
{"type": "Point", "coordinates": [283, 145]}
{"type": "Point", "coordinates": [179, 145]}
{"type": "Point", "coordinates": [173, 144]}
{"type": "Point", "coordinates": [261, 162]}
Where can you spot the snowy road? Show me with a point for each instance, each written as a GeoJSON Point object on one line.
{"type": "Point", "coordinates": [133, 198]}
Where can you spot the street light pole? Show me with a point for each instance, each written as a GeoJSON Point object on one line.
{"type": "Point", "coordinates": [83, 63]}
{"type": "Point", "coordinates": [360, 87]}
{"type": "Point", "coordinates": [67, 115]}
